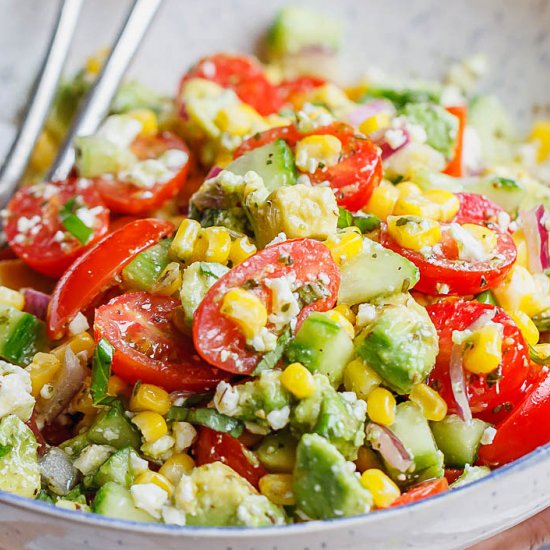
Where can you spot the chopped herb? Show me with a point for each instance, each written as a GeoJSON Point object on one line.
{"type": "Point", "coordinates": [101, 371]}
{"type": "Point", "coordinates": [402, 221]}
{"type": "Point", "coordinates": [251, 283]}
{"type": "Point", "coordinates": [345, 218]}
{"type": "Point", "coordinates": [537, 358]}
{"type": "Point", "coordinates": [504, 183]}
{"type": "Point", "coordinates": [312, 292]}
{"type": "Point", "coordinates": [285, 260]}
{"type": "Point", "coordinates": [73, 224]}
{"type": "Point", "coordinates": [366, 224]}
{"type": "Point", "coordinates": [4, 450]}
{"type": "Point", "coordinates": [493, 377]}
{"type": "Point", "coordinates": [268, 162]}
{"type": "Point", "coordinates": [270, 359]}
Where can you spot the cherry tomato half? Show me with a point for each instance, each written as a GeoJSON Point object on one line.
{"type": "Point", "coordinates": [490, 397]}
{"type": "Point", "coordinates": [96, 269]}
{"type": "Point", "coordinates": [148, 347]}
{"type": "Point", "coordinates": [476, 208]}
{"type": "Point", "coordinates": [34, 228]}
{"type": "Point", "coordinates": [219, 340]}
{"type": "Point", "coordinates": [296, 90]}
{"type": "Point", "coordinates": [422, 491]}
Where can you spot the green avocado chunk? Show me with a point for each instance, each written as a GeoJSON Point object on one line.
{"type": "Point", "coordinates": [324, 486]}
{"type": "Point", "coordinates": [277, 452]}
{"type": "Point", "coordinates": [113, 428]}
{"type": "Point", "coordinates": [116, 501]}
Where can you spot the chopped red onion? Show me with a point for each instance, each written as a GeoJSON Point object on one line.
{"type": "Point", "coordinates": [369, 109]}
{"type": "Point", "coordinates": [536, 237]}
{"type": "Point", "coordinates": [389, 446]}
{"type": "Point", "coordinates": [213, 172]}
{"type": "Point", "coordinates": [36, 302]}
{"type": "Point", "coordinates": [391, 140]}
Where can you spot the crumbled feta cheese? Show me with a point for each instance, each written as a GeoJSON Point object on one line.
{"type": "Point", "coordinates": [279, 419]}
{"type": "Point", "coordinates": [395, 138]}
{"type": "Point", "coordinates": [503, 220]}
{"type": "Point", "coordinates": [280, 238]}
{"type": "Point", "coordinates": [366, 313]}
{"type": "Point", "coordinates": [120, 130]}
{"type": "Point", "coordinates": [185, 494]}
{"type": "Point", "coordinates": [79, 324]}
{"type": "Point", "coordinates": [469, 248]}
{"type": "Point", "coordinates": [250, 508]}
{"type": "Point", "coordinates": [24, 224]}
{"type": "Point", "coordinates": [472, 151]}
{"type": "Point", "coordinates": [303, 179]}
{"type": "Point", "coordinates": [488, 435]}
{"type": "Point", "coordinates": [146, 173]}
{"type": "Point", "coordinates": [311, 117]}
{"type": "Point", "coordinates": [59, 236]}
{"type": "Point", "coordinates": [173, 516]}
{"type": "Point", "coordinates": [92, 457]}
{"type": "Point", "coordinates": [138, 464]}
{"type": "Point", "coordinates": [264, 341]}
{"type": "Point", "coordinates": [284, 304]}
{"type": "Point", "coordinates": [160, 448]}
{"type": "Point", "coordinates": [149, 497]}
{"type": "Point", "coordinates": [174, 159]}
{"type": "Point", "coordinates": [15, 391]}
{"type": "Point", "coordinates": [226, 399]}
{"type": "Point", "coordinates": [417, 134]}
{"type": "Point", "coordinates": [47, 391]}
{"type": "Point", "coordinates": [256, 429]}
{"type": "Point", "coordinates": [184, 435]}
{"type": "Point", "coordinates": [442, 288]}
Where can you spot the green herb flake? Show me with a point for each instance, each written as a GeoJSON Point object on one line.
{"type": "Point", "coordinates": [101, 371]}
{"type": "Point", "coordinates": [73, 224]}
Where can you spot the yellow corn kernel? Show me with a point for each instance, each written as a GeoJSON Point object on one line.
{"type": "Point", "coordinates": [347, 312]}
{"type": "Point", "coordinates": [407, 188]}
{"type": "Point", "coordinates": [148, 120]}
{"type": "Point", "coordinates": [43, 153]}
{"type": "Point", "coordinates": [314, 152]}
{"type": "Point", "coordinates": [416, 205]}
{"type": "Point", "coordinates": [157, 479]}
{"type": "Point", "coordinates": [384, 491]}
{"type": "Point", "coordinates": [341, 321]}
{"type": "Point", "coordinates": [278, 489]}
{"type": "Point", "coordinates": [94, 63]}
{"type": "Point", "coordinates": [448, 203]}
{"type": "Point", "coordinates": [298, 380]}
{"type": "Point", "coordinates": [541, 134]}
{"type": "Point", "coordinates": [382, 200]}
{"type": "Point", "coordinates": [413, 232]}
{"type": "Point", "coordinates": [239, 119]}
{"type": "Point", "coordinates": [82, 342]}
{"type": "Point", "coordinates": [542, 350]}
{"type": "Point", "coordinates": [246, 310]}
{"type": "Point", "coordinates": [170, 280]}
{"type": "Point", "coordinates": [486, 236]}
{"type": "Point", "coordinates": [151, 424]}
{"type": "Point", "coordinates": [360, 378]}
{"type": "Point", "coordinates": [42, 369]}
{"type": "Point", "coordinates": [184, 242]}
{"type": "Point", "coordinates": [344, 246]}
{"type": "Point", "coordinates": [82, 402]}
{"type": "Point", "coordinates": [526, 326]}
{"type": "Point", "coordinates": [522, 257]}
{"type": "Point", "coordinates": [223, 158]}
{"type": "Point", "coordinates": [148, 397]}
{"type": "Point", "coordinates": [374, 123]}
{"type": "Point", "coordinates": [484, 353]}
{"type": "Point", "coordinates": [12, 298]}
{"type": "Point", "coordinates": [176, 466]}
{"type": "Point", "coordinates": [366, 459]}
{"type": "Point", "coordinates": [241, 249]}
{"type": "Point", "coordinates": [433, 406]}
{"type": "Point", "coordinates": [381, 406]}
{"type": "Point", "coordinates": [213, 245]}
{"type": "Point", "coordinates": [116, 386]}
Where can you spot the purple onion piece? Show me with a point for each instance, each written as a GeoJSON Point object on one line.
{"type": "Point", "coordinates": [367, 110]}
{"type": "Point", "coordinates": [213, 172]}
{"type": "Point", "coordinates": [541, 217]}
{"type": "Point", "coordinates": [380, 138]}
{"type": "Point", "coordinates": [36, 302]}
{"type": "Point", "coordinates": [389, 446]}
{"type": "Point", "coordinates": [536, 237]}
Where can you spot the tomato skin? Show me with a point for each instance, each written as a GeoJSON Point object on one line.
{"type": "Point", "coordinates": [455, 167]}
{"type": "Point", "coordinates": [216, 336]}
{"type": "Point", "coordinates": [451, 315]}
{"type": "Point", "coordinates": [214, 446]}
{"type": "Point", "coordinates": [422, 491]}
{"type": "Point", "coordinates": [148, 347]}
{"type": "Point", "coordinates": [295, 90]}
{"type": "Point", "coordinates": [124, 197]}
{"type": "Point", "coordinates": [94, 270]}
{"type": "Point", "coordinates": [452, 474]}
{"type": "Point", "coordinates": [476, 208]}
{"type": "Point", "coordinates": [463, 278]}
{"type": "Point", "coordinates": [42, 251]}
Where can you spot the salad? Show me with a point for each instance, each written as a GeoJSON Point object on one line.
{"type": "Point", "coordinates": [274, 299]}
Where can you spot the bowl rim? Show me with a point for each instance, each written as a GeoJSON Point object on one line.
{"type": "Point", "coordinates": [537, 456]}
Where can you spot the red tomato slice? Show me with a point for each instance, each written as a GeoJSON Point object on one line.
{"type": "Point", "coordinates": [525, 429]}
{"type": "Point", "coordinates": [242, 74]}
{"type": "Point", "coordinates": [126, 198]}
{"type": "Point", "coordinates": [355, 176]}
{"type": "Point", "coordinates": [476, 208]}
{"type": "Point", "coordinates": [296, 90]}
{"type": "Point", "coordinates": [214, 446]}
{"type": "Point", "coordinates": [219, 340]}
{"type": "Point", "coordinates": [96, 269]}
{"type": "Point", "coordinates": [148, 347]}
{"type": "Point", "coordinates": [452, 474]}
{"type": "Point", "coordinates": [455, 168]}
{"type": "Point", "coordinates": [34, 229]}
{"type": "Point", "coordinates": [422, 491]}
{"type": "Point", "coordinates": [461, 276]}
{"type": "Point", "coordinates": [488, 400]}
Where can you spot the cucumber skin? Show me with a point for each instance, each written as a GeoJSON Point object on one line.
{"type": "Point", "coordinates": [115, 501]}
{"type": "Point", "coordinates": [114, 419]}
{"type": "Point", "coordinates": [144, 270]}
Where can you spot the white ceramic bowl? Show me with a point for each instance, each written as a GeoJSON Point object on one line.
{"type": "Point", "coordinates": [419, 37]}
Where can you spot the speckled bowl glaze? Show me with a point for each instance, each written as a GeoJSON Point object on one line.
{"type": "Point", "coordinates": [419, 37]}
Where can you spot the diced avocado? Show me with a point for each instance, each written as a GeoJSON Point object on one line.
{"type": "Point", "coordinates": [197, 280]}
{"type": "Point", "coordinates": [119, 468]}
{"type": "Point", "coordinates": [135, 95]}
{"type": "Point", "coordinates": [441, 127]}
{"type": "Point", "coordinates": [400, 344]}
{"type": "Point", "coordinates": [74, 446]}
{"type": "Point", "coordinates": [214, 495]}
{"type": "Point", "coordinates": [374, 272]}
{"type": "Point", "coordinates": [324, 486]}
{"type": "Point", "coordinates": [144, 270]}
{"type": "Point", "coordinates": [113, 428]}
{"type": "Point", "coordinates": [97, 155]}
{"type": "Point", "coordinates": [115, 501]}
{"type": "Point", "coordinates": [337, 416]}
{"type": "Point", "coordinates": [20, 473]}
{"type": "Point", "coordinates": [323, 346]}
{"type": "Point", "coordinates": [21, 336]}
{"type": "Point", "coordinates": [401, 97]}
{"type": "Point", "coordinates": [277, 452]}
{"type": "Point", "coordinates": [274, 162]}
{"type": "Point", "coordinates": [470, 474]}
{"type": "Point", "coordinates": [506, 192]}
{"type": "Point", "coordinates": [297, 28]}
{"type": "Point", "coordinates": [459, 441]}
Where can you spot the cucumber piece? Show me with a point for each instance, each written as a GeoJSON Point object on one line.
{"type": "Point", "coordinates": [117, 468]}
{"type": "Point", "coordinates": [74, 446]}
{"type": "Point", "coordinates": [470, 474]}
{"type": "Point", "coordinates": [112, 428]}
{"type": "Point", "coordinates": [375, 272]}
{"type": "Point", "coordinates": [506, 192]}
{"type": "Point", "coordinates": [144, 270]}
{"type": "Point", "coordinates": [97, 156]}
{"type": "Point", "coordinates": [21, 336]}
{"type": "Point", "coordinates": [459, 441]}
{"type": "Point", "coordinates": [115, 501]}
{"type": "Point", "coordinates": [277, 452]}
{"type": "Point", "coordinates": [486, 297]}
{"type": "Point", "coordinates": [322, 346]}
{"type": "Point", "coordinates": [274, 162]}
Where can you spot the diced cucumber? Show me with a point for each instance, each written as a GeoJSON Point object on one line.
{"type": "Point", "coordinates": [375, 272]}
{"type": "Point", "coordinates": [115, 501]}
{"type": "Point", "coordinates": [486, 297]}
{"type": "Point", "coordinates": [112, 428]}
{"type": "Point", "coordinates": [21, 336]}
{"type": "Point", "coordinates": [322, 346]}
{"type": "Point", "coordinates": [470, 474]}
{"type": "Point", "coordinates": [97, 156]}
{"type": "Point", "coordinates": [277, 452]}
{"type": "Point", "coordinates": [74, 446]}
{"type": "Point", "coordinates": [274, 162]}
{"type": "Point", "coordinates": [117, 468]}
{"type": "Point", "coordinates": [459, 441]}
{"type": "Point", "coordinates": [144, 270]}
{"type": "Point", "coordinates": [507, 193]}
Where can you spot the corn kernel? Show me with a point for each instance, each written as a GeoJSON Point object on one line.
{"type": "Point", "coordinates": [298, 380]}
{"type": "Point", "coordinates": [213, 245]}
{"type": "Point", "coordinates": [184, 242]}
{"type": "Point", "coordinates": [432, 405]}
{"type": "Point", "coordinates": [148, 397]}
{"type": "Point", "coordinates": [82, 342]}
{"type": "Point", "coordinates": [43, 153]}
{"type": "Point", "coordinates": [314, 152]}
{"type": "Point", "coordinates": [241, 249]}
{"type": "Point", "coordinates": [12, 298]}
{"type": "Point", "coordinates": [341, 321]}
{"type": "Point", "coordinates": [526, 326]}
{"type": "Point", "coordinates": [374, 123]}
{"type": "Point", "coordinates": [381, 406]}
{"type": "Point", "coordinates": [407, 188]}
{"type": "Point", "coordinates": [384, 491]}
{"type": "Point", "coordinates": [278, 489]}
{"type": "Point", "coordinates": [42, 369]}
{"type": "Point", "coordinates": [82, 402]}
{"type": "Point", "coordinates": [116, 386]}
{"type": "Point", "coordinates": [366, 459]}
{"type": "Point", "coordinates": [540, 133]}
{"type": "Point", "coordinates": [246, 310]}
{"type": "Point", "coordinates": [157, 479]}
{"type": "Point", "coordinates": [148, 120]}
{"type": "Point", "coordinates": [382, 200]}
{"type": "Point", "coordinates": [542, 350]}
{"type": "Point", "coordinates": [522, 257]}
{"type": "Point", "coordinates": [487, 237]}
{"type": "Point", "coordinates": [170, 280]}
{"type": "Point", "coordinates": [176, 466]}
{"type": "Point", "coordinates": [484, 354]}
{"type": "Point", "coordinates": [416, 205]}
{"type": "Point", "coordinates": [151, 424]}
{"type": "Point", "coordinates": [448, 203]}
{"type": "Point", "coordinates": [347, 312]}
{"type": "Point", "coordinates": [413, 232]}
{"type": "Point", "coordinates": [239, 119]}
{"type": "Point", "coordinates": [360, 378]}
{"type": "Point", "coordinates": [94, 63]}
{"type": "Point", "coordinates": [344, 246]}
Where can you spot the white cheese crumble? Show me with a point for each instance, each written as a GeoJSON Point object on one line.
{"type": "Point", "coordinates": [366, 313]}
{"type": "Point", "coordinates": [184, 435]}
{"type": "Point", "coordinates": [311, 117]}
{"type": "Point", "coordinates": [173, 516]}
{"type": "Point", "coordinates": [395, 137]}
{"type": "Point", "coordinates": [488, 435]}
{"type": "Point", "coordinates": [185, 494]}
{"type": "Point", "coordinates": [149, 498]}
{"type": "Point", "coordinates": [226, 399]}
{"type": "Point", "coordinates": [92, 457]}
{"type": "Point", "coordinates": [160, 448]}
{"type": "Point", "coordinates": [280, 238]}
{"type": "Point", "coordinates": [279, 419]}
{"type": "Point", "coordinates": [264, 341]}
{"type": "Point", "coordinates": [15, 391]}
{"type": "Point", "coordinates": [79, 324]}
{"type": "Point", "coordinates": [138, 464]}
{"type": "Point", "coordinates": [469, 248]}
{"type": "Point", "coordinates": [284, 304]}
{"type": "Point", "coordinates": [120, 130]}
